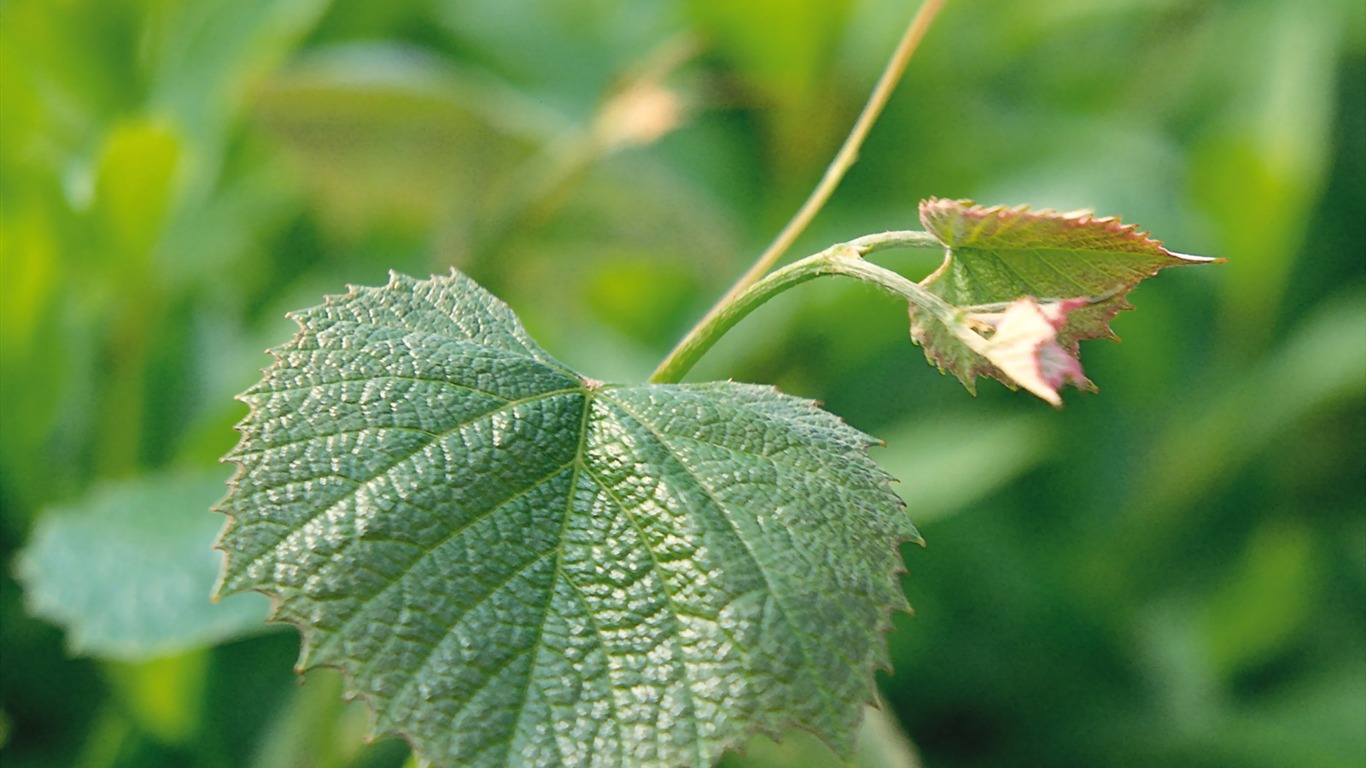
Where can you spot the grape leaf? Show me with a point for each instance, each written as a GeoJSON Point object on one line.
{"type": "Point", "coordinates": [517, 565]}
{"type": "Point", "coordinates": [998, 255]}
{"type": "Point", "coordinates": [127, 571]}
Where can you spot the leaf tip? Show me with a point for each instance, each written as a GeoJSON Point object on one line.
{"type": "Point", "coordinates": [1190, 259]}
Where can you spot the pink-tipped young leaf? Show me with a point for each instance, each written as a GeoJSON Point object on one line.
{"type": "Point", "coordinates": [1024, 346]}
{"type": "Point", "coordinates": [997, 255]}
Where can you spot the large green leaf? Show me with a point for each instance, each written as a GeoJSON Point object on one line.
{"type": "Point", "coordinates": [517, 565]}
{"type": "Point", "coordinates": [997, 255]}
{"type": "Point", "coordinates": [127, 571]}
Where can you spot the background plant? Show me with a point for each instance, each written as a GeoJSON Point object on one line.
{"type": "Point", "coordinates": [1188, 544]}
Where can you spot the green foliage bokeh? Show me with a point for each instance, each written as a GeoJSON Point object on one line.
{"type": "Point", "coordinates": [1169, 572]}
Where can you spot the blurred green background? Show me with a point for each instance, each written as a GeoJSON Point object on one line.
{"type": "Point", "coordinates": [1171, 572]}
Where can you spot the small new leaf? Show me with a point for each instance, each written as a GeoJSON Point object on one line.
{"type": "Point", "coordinates": [515, 565]}
{"type": "Point", "coordinates": [996, 256]}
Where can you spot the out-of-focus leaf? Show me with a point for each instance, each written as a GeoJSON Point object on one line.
{"type": "Point", "coordinates": [945, 464]}
{"type": "Point", "coordinates": [31, 370]}
{"type": "Point", "coordinates": [1323, 362]}
{"type": "Point", "coordinates": [134, 186]}
{"type": "Point", "coordinates": [392, 133]}
{"type": "Point", "coordinates": [580, 47]}
{"type": "Point", "coordinates": [128, 570]}
{"type": "Point", "coordinates": [782, 46]}
{"type": "Point", "coordinates": [1257, 172]}
{"type": "Point", "coordinates": [783, 50]}
{"type": "Point", "coordinates": [514, 564]}
{"type": "Point", "coordinates": [165, 695]}
{"type": "Point", "coordinates": [1313, 722]}
{"type": "Point", "coordinates": [207, 56]}
{"type": "Point", "coordinates": [316, 728]}
{"type": "Point", "coordinates": [1263, 603]}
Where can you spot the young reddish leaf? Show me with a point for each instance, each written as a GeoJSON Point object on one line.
{"type": "Point", "coordinates": [997, 255]}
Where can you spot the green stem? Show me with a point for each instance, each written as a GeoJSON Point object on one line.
{"type": "Point", "coordinates": [844, 259]}
{"type": "Point", "coordinates": [834, 173]}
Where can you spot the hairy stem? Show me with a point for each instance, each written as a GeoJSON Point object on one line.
{"type": "Point", "coordinates": [834, 173]}
{"type": "Point", "coordinates": [900, 238]}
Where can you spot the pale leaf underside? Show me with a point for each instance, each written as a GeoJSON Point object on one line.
{"type": "Point", "coordinates": [515, 565]}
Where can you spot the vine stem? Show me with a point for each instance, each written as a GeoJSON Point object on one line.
{"type": "Point", "coordinates": [834, 174]}
{"type": "Point", "coordinates": [843, 259]}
